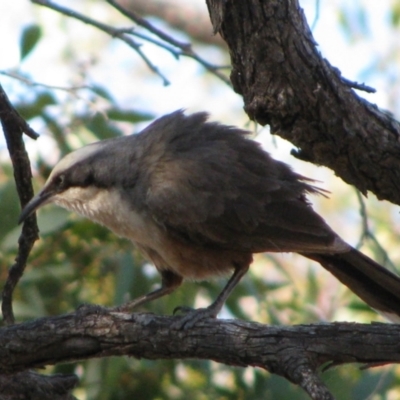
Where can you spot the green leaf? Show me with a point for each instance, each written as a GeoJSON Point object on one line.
{"type": "Point", "coordinates": [35, 108]}
{"type": "Point", "coordinates": [395, 17]}
{"type": "Point", "coordinates": [45, 99]}
{"type": "Point", "coordinates": [102, 92]}
{"type": "Point", "coordinates": [101, 127]}
{"type": "Point", "coordinates": [28, 111]}
{"type": "Point", "coordinates": [29, 38]}
{"type": "Point", "coordinates": [133, 116]}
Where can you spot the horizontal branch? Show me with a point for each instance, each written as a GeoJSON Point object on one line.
{"type": "Point", "coordinates": [33, 386]}
{"type": "Point", "coordinates": [84, 335]}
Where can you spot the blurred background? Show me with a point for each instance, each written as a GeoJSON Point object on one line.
{"type": "Point", "coordinates": [76, 85]}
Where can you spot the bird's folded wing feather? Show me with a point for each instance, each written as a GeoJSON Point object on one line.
{"type": "Point", "coordinates": [230, 194]}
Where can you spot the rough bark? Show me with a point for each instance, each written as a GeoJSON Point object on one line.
{"type": "Point", "coordinates": [29, 385]}
{"type": "Point", "coordinates": [293, 352]}
{"type": "Point", "coordinates": [13, 127]}
{"type": "Point", "coordinates": [286, 83]}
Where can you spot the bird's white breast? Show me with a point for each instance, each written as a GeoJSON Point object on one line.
{"type": "Point", "coordinates": [108, 208]}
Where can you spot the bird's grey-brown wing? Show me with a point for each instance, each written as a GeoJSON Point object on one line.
{"type": "Point", "coordinates": [218, 189]}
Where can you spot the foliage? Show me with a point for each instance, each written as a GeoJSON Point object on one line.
{"type": "Point", "coordinates": [77, 262]}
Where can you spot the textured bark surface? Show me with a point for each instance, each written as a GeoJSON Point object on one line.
{"type": "Point", "coordinates": [13, 128]}
{"type": "Point", "coordinates": [286, 83]}
{"type": "Point", "coordinates": [293, 352]}
{"type": "Point", "coordinates": [281, 350]}
{"type": "Point", "coordinates": [30, 385]}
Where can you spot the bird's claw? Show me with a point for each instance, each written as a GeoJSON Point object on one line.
{"type": "Point", "coordinates": [192, 316]}
{"type": "Point", "coordinates": [84, 310]}
{"type": "Point", "coordinates": [183, 310]}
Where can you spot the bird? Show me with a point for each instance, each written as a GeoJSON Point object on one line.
{"type": "Point", "coordinates": [199, 198]}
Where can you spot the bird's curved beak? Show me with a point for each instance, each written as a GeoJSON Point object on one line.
{"type": "Point", "coordinates": [37, 201]}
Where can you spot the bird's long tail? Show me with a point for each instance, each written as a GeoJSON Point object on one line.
{"type": "Point", "coordinates": [374, 284]}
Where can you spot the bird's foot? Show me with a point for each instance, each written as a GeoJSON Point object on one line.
{"type": "Point", "coordinates": [84, 310]}
{"type": "Point", "coordinates": [192, 316]}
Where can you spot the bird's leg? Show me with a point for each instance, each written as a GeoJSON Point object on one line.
{"type": "Point", "coordinates": [170, 282]}
{"type": "Point", "coordinates": [191, 316]}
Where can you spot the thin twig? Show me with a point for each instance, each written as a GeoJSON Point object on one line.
{"type": "Point", "coordinates": [358, 86]}
{"type": "Point", "coordinates": [13, 127]}
{"type": "Point", "coordinates": [186, 48]}
{"type": "Point", "coordinates": [146, 24]}
{"type": "Point", "coordinates": [29, 82]}
{"type": "Point", "coordinates": [172, 50]}
{"type": "Point", "coordinates": [367, 234]}
{"type": "Point", "coordinates": [105, 28]}
{"type": "Point", "coordinates": [317, 12]}
{"type": "Point", "coordinates": [8, 114]}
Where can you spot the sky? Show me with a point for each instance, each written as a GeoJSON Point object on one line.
{"type": "Point", "coordinates": [372, 40]}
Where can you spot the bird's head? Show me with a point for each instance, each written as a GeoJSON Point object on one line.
{"type": "Point", "coordinates": [67, 181]}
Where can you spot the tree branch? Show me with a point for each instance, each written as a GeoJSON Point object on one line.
{"type": "Point", "coordinates": [13, 127]}
{"type": "Point", "coordinates": [185, 49]}
{"type": "Point", "coordinates": [178, 48]}
{"type": "Point", "coordinates": [105, 28]}
{"type": "Point", "coordinates": [293, 352]}
{"type": "Point", "coordinates": [286, 83]}
{"type": "Point", "coordinates": [180, 15]}
{"type": "Point", "coordinates": [29, 385]}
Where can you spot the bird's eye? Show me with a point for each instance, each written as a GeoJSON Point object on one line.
{"type": "Point", "coordinates": [59, 180]}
